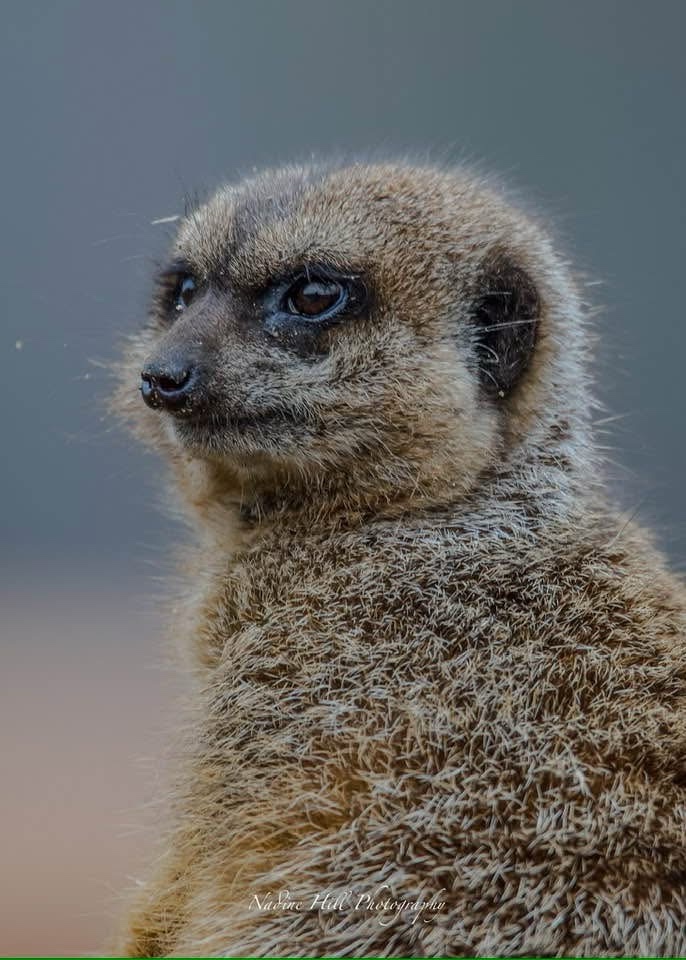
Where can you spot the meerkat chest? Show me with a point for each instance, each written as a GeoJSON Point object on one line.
{"type": "Point", "coordinates": [394, 656]}
{"type": "Point", "coordinates": [339, 619]}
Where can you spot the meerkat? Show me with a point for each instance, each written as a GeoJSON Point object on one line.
{"type": "Point", "coordinates": [438, 683]}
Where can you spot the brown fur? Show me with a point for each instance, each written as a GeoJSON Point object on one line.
{"type": "Point", "coordinates": [426, 653]}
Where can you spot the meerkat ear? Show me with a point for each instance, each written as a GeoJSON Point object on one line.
{"type": "Point", "coordinates": [505, 316]}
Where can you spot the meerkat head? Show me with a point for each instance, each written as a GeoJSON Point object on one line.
{"type": "Point", "coordinates": [378, 329]}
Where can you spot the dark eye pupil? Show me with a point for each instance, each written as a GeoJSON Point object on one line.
{"type": "Point", "coordinates": [186, 293]}
{"type": "Point", "coordinates": [313, 297]}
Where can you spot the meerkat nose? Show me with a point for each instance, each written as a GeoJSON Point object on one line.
{"type": "Point", "coordinates": [168, 385]}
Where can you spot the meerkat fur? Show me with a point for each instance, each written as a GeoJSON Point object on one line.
{"type": "Point", "coordinates": [427, 658]}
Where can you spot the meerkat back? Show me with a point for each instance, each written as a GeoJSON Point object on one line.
{"type": "Point", "coordinates": [438, 685]}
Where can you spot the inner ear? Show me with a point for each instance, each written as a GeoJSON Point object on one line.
{"type": "Point", "coordinates": [505, 317]}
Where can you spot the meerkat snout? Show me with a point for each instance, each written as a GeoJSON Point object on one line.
{"type": "Point", "coordinates": [168, 385]}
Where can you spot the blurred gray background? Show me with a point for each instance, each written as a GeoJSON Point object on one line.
{"type": "Point", "coordinates": [111, 113]}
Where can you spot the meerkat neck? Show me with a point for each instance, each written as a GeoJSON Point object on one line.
{"type": "Point", "coordinates": [547, 468]}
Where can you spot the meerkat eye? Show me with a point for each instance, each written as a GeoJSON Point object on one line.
{"type": "Point", "coordinates": [185, 292]}
{"type": "Point", "coordinates": [315, 298]}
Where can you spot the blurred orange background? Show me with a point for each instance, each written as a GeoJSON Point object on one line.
{"type": "Point", "coordinates": [85, 697]}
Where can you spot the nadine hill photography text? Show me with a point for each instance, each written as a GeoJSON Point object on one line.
{"type": "Point", "coordinates": [380, 902]}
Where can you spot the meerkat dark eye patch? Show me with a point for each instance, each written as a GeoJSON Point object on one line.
{"type": "Point", "coordinates": [185, 293]}
{"type": "Point", "coordinates": [301, 310]}
{"type": "Point", "coordinates": [175, 288]}
{"type": "Point", "coordinates": [505, 316]}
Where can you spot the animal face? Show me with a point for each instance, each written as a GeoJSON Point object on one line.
{"type": "Point", "coordinates": [316, 320]}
